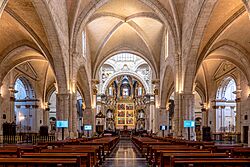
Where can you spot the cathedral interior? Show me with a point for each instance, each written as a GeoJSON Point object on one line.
{"type": "Point", "coordinates": [174, 70]}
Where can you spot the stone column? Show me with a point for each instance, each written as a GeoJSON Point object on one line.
{"type": "Point", "coordinates": [167, 121]}
{"type": "Point", "coordinates": [204, 116]}
{"type": "Point", "coordinates": [95, 83]}
{"type": "Point", "coordinates": [100, 107]}
{"type": "Point", "coordinates": [12, 92]}
{"type": "Point", "coordinates": [70, 114]}
{"type": "Point", "coordinates": [163, 119]}
{"type": "Point", "coordinates": [147, 114]}
{"type": "Point", "coordinates": [238, 115]}
{"type": "Point", "coordinates": [156, 106]}
{"type": "Point", "coordinates": [73, 116]}
{"type": "Point", "coordinates": [152, 114]}
{"type": "Point", "coordinates": [213, 112]}
{"type": "Point", "coordinates": [35, 111]}
{"type": "Point", "coordinates": [203, 119]}
{"type": "Point", "coordinates": [62, 111]}
{"type": "Point", "coordinates": [188, 114]}
{"type": "Point", "coordinates": [176, 119]}
{"type": "Point", "coordinates": [45, 114]}
{"type": "Point", "coordinates": [88, 119]}
{"type": "Point", "coordinates": [12, 104]}
{"type": "Point", "coordinates": [223, 117]}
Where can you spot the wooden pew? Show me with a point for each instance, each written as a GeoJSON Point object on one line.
{"type": "Point", "coordinates": [142, 143]}
{"type": "Point", "coordinates": [156, 159]}
{"type": "Point", "coordinates": [84, 157]}
{"type": "Point", "coordinates": [95, 161]}
{"type": "Point", "coordinates": [40, 162]}
{"type": "Point", "coordinates": [108, 143]}
{"type": "Point", "coordinates": [99, 149]}
{"type": "Point", "coordinates": [210, 162]}
{"type": "Point", "coordinates": [166, 157]}
{"type": "Point", "coordinates": [155, 150]}
{"type": "Point", "coordinates": [241, 152]}
{"type": "Point", "coordinates": [9, 153]}
{"type": "Point", "coordinates": [15, 150]}
{"type": "Point", "coordinates": [52, 143]}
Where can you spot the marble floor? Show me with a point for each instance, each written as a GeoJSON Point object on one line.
{"type": "Point", "coordinates": [125, 155]}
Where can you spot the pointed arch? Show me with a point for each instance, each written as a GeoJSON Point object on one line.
{"type": "Point", "coordinates": [84, 84]}
{"type": "Point", "coordinates": [192, 50]}
{"type": "Point", "coordinates": [58, 43]}
{"type": "Point", "coordinates": [167, 86]}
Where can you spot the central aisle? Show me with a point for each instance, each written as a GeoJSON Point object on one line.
{"type": "Point", "coordinates": [125, 155]}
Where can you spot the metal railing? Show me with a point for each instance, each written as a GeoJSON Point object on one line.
{"type": "Point", "coordinates": [19, 139]}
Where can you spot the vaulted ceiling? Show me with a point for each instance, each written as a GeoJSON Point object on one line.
{"type": "Point", "coordinates": [20, 22]}
{"type": "Point", "coordinates": [125, 25]}
{"type": "Point", "coordinates": [21, 36]}
{"type": "Point", "coordinates": [130, 25]}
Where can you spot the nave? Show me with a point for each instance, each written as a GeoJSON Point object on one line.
{"type": "Point", "coordinates": [125, 155]}
{"type": "Point", "coordinates": [76, 76]}
{"type": "Point", "coordinates": [115, 151]}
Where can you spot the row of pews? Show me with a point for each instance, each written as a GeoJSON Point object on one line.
{"type": "Point", "coordinates": [67, 153]}
{"type": "Point", "coordinates": [169, 152]}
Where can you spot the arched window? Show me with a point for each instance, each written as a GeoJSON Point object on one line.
{"type": "Point", "coordinates": [125, 88]}
{"type": "Point", "coordinates": [20, 88]}
{"type": "Point", "coordinates": [52, 106]}
{"type": "Point", "coordinates": [110, 91]}
{"type": "Point", "coordinates": [140, 91]}
{"type": "Point", "coordinates": [84, 44]}
{"type": "Point", "coordinates": [25, 104]}
{"type": "Point", "coordinates": [226, 106]}
{"type": "Point", "coordinates": [166, 41]}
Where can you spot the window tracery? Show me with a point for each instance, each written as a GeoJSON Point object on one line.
{"type": "Point", "coordinates": [226, 114]}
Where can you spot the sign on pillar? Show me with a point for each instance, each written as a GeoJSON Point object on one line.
{"type": "Point", "coordinates": [61, 124]}
{"type": "Point", "coordinates": [189, 124]}
{"type": "Point", "coordinates": [88, 120]}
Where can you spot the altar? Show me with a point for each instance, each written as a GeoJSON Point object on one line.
{"type": "Point", "coordinates": [125, 115]}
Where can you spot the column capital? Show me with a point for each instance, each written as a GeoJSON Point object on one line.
{"type": "Point", "coordinates": [187, 94]}
{"type": "Point", "coordinates": [95, 82]}
{"type": "Point", "coordinates": [156, 81]}
{"type": "Point", "coordinates": [88, 108]}
{"type": "Point", "coordinates": [222, 107]}
{"type": "Point", "coordinates": [63, 95]}
{"type": "Point", "coordinates": [237, 100]}
{"type": "Point", "coordinates": [203, 109]}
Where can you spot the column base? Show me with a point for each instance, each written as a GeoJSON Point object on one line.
{"type": "Point", "coordinates": [58, 134]}
{"type": "Point", "coordinates": [73, 135]}
{"type": "Point", "coordinates": [192, 134]}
